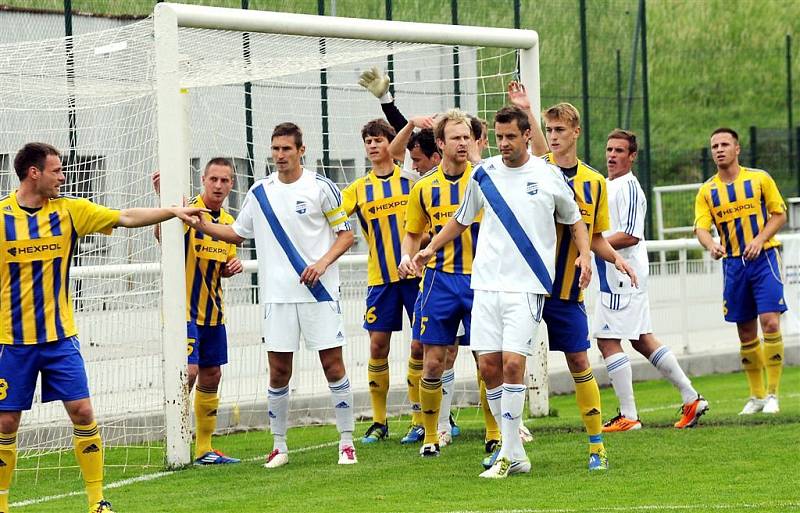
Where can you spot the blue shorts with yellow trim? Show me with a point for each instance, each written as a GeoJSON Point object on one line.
{"type": "Point", "coordinates": [206, 346]}
{"type": "Point", "coordinates": [752, 287]}
{"type": "Point", "coordinates": [444, 301]}
{"type": "Point", "coordinates": [60, 363]}
{"type": "Point", "coordinates": [567, 325]}
{"type": "Point", "coordinates": [385, 304]}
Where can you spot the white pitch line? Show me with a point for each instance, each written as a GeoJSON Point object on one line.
{"type": "Point", "coordinates": [147, 477]}
{"type": "Point", "coordinates": [650, 507]}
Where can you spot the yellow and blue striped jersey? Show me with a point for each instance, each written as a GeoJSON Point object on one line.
{"type": "Point", "coordinates": [35, 257]}
{"type": "Point", "coordinates": [380, 204]}
{"type": "Point", "coordinates": [739, 209]}
{"type": "Point", "coordinates": [589, 187]}
{"type": "Point", "coordinates": [433, 201]}
{"type": "Point", "coordinates": [205, 260]}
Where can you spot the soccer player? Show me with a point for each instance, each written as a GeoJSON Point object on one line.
{"type": "Point", "coordinates": [300, 228]}
{"type": "Point", "coordinates": [747, 210]}
{"type": "Point", "coordinates": [445, 299]}
{"type": "Point", "coordinates": [513, 268]}
{"type": "Point", "coordinates": [623, 311]}
{"type": "Point", "coordinates": [37, 326]}
{"type": "Point", "coordinates": [207, 261]}
{"type": "Point", "coordinates": [379, 200]}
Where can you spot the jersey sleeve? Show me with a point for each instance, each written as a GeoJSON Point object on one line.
{"type": "Point", "coordinates": [632, 208]}
{"type": "Point", "coordinates": [601, 219]}
{"type": "Point", "coordinates": [331, 203]}
{"type": "Point", "coordinates": [243, 225]}
{"type": "Point", "coordinates": [772, 196]}
{"type": "Point", "coordinates": [416, 218]}
{"type": "Point", "coordinates": [88, 217]}
{"type": "Point", "coordinates": [349, 198]}
{"type": "Point", "coordinates": [566, 208]}
{"type": "Point", "coordinates": [472, 204]}
{"type": "Point", "coordinates": [702, 212]}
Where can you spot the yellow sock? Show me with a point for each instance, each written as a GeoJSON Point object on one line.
{"type": "Point", "coordinates": [206, 402]}
{"type": "Point", "coordinates": [587, 394]}
{"type": "Point", "coordinates": [773, 360]}
{"type": "Point", "coordinates": [414, 375]}
{"type": "Point", "coordinates": [89, 453]}
{"type": "Point", "coordinates": [753, 365]}
{"type": "Point", "coordinates": [8, 458]}
{"type": "Point", "coordinates": [378, 375]}
{"type": "Point", "coordinates": [492, 429]}
{"type": "Point", "coordinates": [430, 396]}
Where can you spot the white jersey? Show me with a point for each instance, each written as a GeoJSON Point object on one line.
{"type": "Point", "coordinates": [627, 207]}
{"type": "Point", "coordinates": [294, 225]}
{"type": "Point", "coordinates": [517, 244]}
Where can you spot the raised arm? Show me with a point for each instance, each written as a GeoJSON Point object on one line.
{"type": "Point", "coordinates": [518, 96]}
{"type": "Point", "coordinates": [377, 83]}
{"type": "Point", "coordinates": [397, 148]}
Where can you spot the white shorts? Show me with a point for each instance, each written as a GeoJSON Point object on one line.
{"type": "Point", "coordinates": [505, 321]}
{"type": "Point", "coordinates": [622, 316]}
{"type": "Point", "coordinates": [320, 324]}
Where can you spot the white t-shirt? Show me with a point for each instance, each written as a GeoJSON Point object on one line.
{"type": "Point", "coordinates": [294, 225]}
{"type": "Point", "coordinates": [627, 206]}
{"type": "Point", "coordinates": [517, 243]}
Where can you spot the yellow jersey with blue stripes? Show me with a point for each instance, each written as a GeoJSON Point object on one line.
{"type": "Point", "coordinates": [205, 261]}
{"type": "Point", "coordinates": [739, 209]}
{"type": "Point", "coordinates": [380, 205]}
{"type": "Point", "coordinates": [589, 187]}
{"type": "Point", "coordinates": [36, 252]}
{"type": "Point", "coordinates": [434, 199]}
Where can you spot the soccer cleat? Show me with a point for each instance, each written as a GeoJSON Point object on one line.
{"type": "Point", "coordinates": [215, 458]}
{"type": "Point", "coordinates": [691, 413]}
{"type": "Point", "coordinates": [621, 423]}
{"type": "Point", "coordinates": [102, 506]}
{"type": "Point", "coordinates": [347, 455]}
{"type": "Point", "coordinates": [454, 429]}
{"type": "Point", "coordinates": [598, 461]}
{"type": "Point", "coordinates": [753, 405]}
{"type": "Point", "coordinates": [429, 451]}
{"type": "Point", "coordinates": [375, 433]}
{"type": "Point", "coordinates": [771, 405]}
{"type": "Point", "coordinates": [276, 459]}
{"type": "Point", "coordinates": [525, 434]}
{"type": "Point", "coordinates": [504, 467]}
{"type": "Point", "coordinates": [445, 438]}
{"type": "Point", "coordinates": [488, 461]}
{"type": "Point", "coordinates": [415, 434]}
{"type": "Point", "coordinates": [490, 445]}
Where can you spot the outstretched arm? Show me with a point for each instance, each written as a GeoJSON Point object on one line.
{"type": "Point", "coordinates": [377, 83]}
{"type": "Point", "coordinates": [137, 217]}
{"type": "Point", "coordinates": [222, 232]}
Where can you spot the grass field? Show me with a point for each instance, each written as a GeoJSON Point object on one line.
{"type": "Point", "coordinates": [728, 464]}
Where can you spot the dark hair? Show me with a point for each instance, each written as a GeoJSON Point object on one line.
{"type": "Point", "coordinates": [289, 129]}
{"type": "Point", "coordinates": [220, 161]}
{"type": "Point", "coordinates": [619, 133]}
{"type": "Point", "coordinates": [378, 128]}
{"type": "Point", "coordinates": [425, 140]}
{"type": "Point", "coordinates": [726, 130]}
{"type": "Point", "coordinates": [509, 114]}
{"type": "Point", "coordinates": [33, 154]}
{"type": "Point", "coordinates": [477, 126]}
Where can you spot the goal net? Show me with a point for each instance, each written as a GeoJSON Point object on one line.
{"type": "Point", "coordinates": [99, 97]}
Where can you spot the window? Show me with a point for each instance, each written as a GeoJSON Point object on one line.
{"type": "Point", "coordinates": [340, 171]}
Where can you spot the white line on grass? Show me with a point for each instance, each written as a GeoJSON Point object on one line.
{"type": "Point", "coordinates": [648, 507]}
{"type": "Point", "coordinates": [146, 477]}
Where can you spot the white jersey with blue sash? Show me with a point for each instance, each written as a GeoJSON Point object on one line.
{"type": "Point", "coordinates": [517, 243]}
{"type": "Point", "coordinates": [294, 225]}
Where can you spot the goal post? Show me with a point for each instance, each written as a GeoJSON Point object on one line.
{"type": "Point", "coordinates": [169, 19]}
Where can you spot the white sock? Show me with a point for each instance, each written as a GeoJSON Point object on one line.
{"type": "Point", "coordinates": [278, 411]}
{"type": "Point", "coordinates": [666, 363]}
{"type": "Point", "coordinates": [512, 403]}
{"type": "Point", "coordinates": [342, 401]}
{"type": "Point", "coordinates": [448, 386]}
{"type": "Point", "coordinates": [494, 397]}
{"type": "Point", "coordinates": [621, 376]}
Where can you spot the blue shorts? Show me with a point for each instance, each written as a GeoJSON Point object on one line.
{"type": "Point", "coordinates": [444, 302]}
{"type": "Point", "coordinates": [61, 366]}
{"type": "Point", "coordinates": [385, 305]}
{"type": "Point", "coordinates": [752, 287]}
{"type": "Point", "coordinates": [206, 346]}
{"type": "Point", "coordinates": [567, 325]}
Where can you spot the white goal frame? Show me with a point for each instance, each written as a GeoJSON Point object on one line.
{"type": "Point", "coordinates": [173, 156]}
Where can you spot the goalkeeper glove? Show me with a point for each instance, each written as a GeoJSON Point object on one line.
{"type": "Point", "coordinates": [376, 83]}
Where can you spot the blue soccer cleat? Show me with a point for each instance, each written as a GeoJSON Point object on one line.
{"type": "Point", "coordinates": [454, 429]}
{"type": "Point", "coordinates": [598, 461]}
{"type": "Point", "coordinates": [415, 434]}
{"type": "Point", "coordinates": [102, 506]}
{"type": "Point", "coordinates": [375, 433]}
{"type": "Point", "coordinates": [490, 460]}
{"type": "Point", "coordinates": [215, 458]}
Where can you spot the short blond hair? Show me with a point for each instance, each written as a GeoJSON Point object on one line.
{"type": "Point", "coordinates": [453, 115]}
{"type": "Point", "coordinates": [565, 112]}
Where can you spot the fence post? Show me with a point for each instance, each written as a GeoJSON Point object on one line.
{"type": "Point", "coordinates": [647, 167]}
{"type": "Point", "coordinates": [789, 113]}
{"type": "Point", "coordinates": [753, 146]}
{"type": "Point", "coordinates": [586, 135]}
{"type": "Point", "coordinates": [705, 162]}
{"type": "Point", "coordinates": [619, 89]}
{"type": "Point", "coordinates": [323, 99]}
{"type": "Point", "coordinates": [390, 57]}
{"type": "Point", "coordinates": [797, 157]}
{"type": "Point", "coordinates": [456, 69]}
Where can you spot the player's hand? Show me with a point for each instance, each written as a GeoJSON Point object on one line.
{"type": "Point", "coordinates": [192, 216]}
{"type": "Point", "coordinates": [717, 251]}
{"type": "Point", "coordinates": [313, 273]}
{"type": "Point", "coordinates": [584, 265]}
{"type": "Point", "coordinates": [622, 266]}
{"type": "Point", "coordinates": [518, 96]}
{"type": "Point", "coordinates": [232, 267]}
{"type": "Point", "coordinates": [753, 249]}
{"type": "Point", "coordinates": [156, 179]}
{"type": "Point", "coordinates": [406, 268]}
{"type": "Point", "coordinates": [420, 259]}
{"type": "Point", "coordinates": [374, 81]}
{"type": "Point", "coordinates": [422, 121]}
